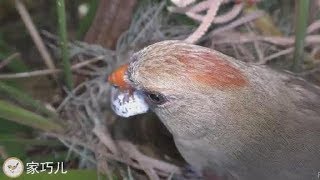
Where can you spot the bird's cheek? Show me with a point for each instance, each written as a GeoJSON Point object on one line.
{"type": "Point", "coordinates": [126, 103]}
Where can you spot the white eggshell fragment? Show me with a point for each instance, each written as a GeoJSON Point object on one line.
{"type": "Point", "coordinates": [126, 105]}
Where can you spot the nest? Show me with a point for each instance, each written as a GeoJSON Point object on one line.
{"type": "Point", "coordinates": [92, 132]}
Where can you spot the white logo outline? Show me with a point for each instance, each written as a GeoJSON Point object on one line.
{"type": "Point", "coordinates": [13, 167]}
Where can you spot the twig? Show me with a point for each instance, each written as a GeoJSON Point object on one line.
{"type": "Point", "coordinates": [258, 50]}
{"type": "Point", "coordinates": [256, 45]}
{"type": "Point", "coordinates": [162, 168]}
{"type": "Point", "coordinates": [8, 60]}
{"type": "Point", "coordinates": [234, 12]}
{"type": "Point", "coordinates": [131, 150]}
{"type": "Point", "coordinates": [275, 55]}
{"type": "Point", "coordinates": [64, 44]}
{"type": "Point", "coordinates": [148, 164]}
{"type": "Point", "coordinates": [105, 138]}
{"type": "Point", "coordinates": [87, 62]}
{"type": "Point", "coordinates": [193, 12]}
{"type": "Point", "coordinates": [103, 166]}
{"type": "Point", "coordinates": [25, 16]}
{"type": "Point", "coordinates": [247, 18]}
{"type": "Point", "coordinates": [70, 95]}
{"type": "Point", "coordinates": [30, 74]}
{"type": "Point", "coordinates": [48, 71]}
{"type": "Point", "coordinates": [86, 72]}
{"type": "Point", "coordinates": [313, 27]}
{"type": "Point", "coordinates": [207, 20]}
{"type": "Point", "coordinates": [201, 6]}
{"type": "Point", "coordinates": [71, 147]}
{"type": "Point", "coordinates": [280, 41]}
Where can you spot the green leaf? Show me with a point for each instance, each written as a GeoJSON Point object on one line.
{"type": "Point", "coordinates": [9, 127]}
{"type": "Point", "coordinates": [62, 26]}
{"type": "Point", "coordinates": [300, 34]}
{"type": "Point", "coordinates": [25, 99]}
{"type": "Point", "coordinates": [14, 113]}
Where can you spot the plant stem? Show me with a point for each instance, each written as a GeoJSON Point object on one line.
{"type": "Point", "coordinates": [14, 113]}
{"type": "Point", "coordinates": [301, 27]}
{"type": "Point", "coordinates": [64, 43]}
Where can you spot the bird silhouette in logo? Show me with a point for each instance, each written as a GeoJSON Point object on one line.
{"type": "Point", "coordinates": [12, 168]}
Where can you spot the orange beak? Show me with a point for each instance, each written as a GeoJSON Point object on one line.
{"type": "Point", "coordinates": [117, 77]}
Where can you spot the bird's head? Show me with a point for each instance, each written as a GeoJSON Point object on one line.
{"type": "Point", "coordinates": [178, 81]}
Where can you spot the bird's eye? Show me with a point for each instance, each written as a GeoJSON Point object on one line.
{"type": "Point", "coordinates": [155, 98]}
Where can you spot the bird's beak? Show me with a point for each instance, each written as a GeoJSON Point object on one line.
{"type": "Point", "coordinates": [117, 78]}
{"type": "Point", "coordinates": [126, 104]}
{"type": "Point", "coordinates": [125, 101]}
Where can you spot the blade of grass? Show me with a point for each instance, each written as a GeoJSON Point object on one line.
{"type": "Point", "coordinates": [301, 27]}
{"type": "Point", "coordinates": [14, 113]}
{"type": "Point", "coordinates": [25, 99]}
{"type": "Point", "coordinates": [64, 43]}
{"type": "Point", "coordinates": [11, 128]}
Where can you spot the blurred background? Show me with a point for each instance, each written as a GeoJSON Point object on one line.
{"type": "Point", "coordinates": [55, 57]}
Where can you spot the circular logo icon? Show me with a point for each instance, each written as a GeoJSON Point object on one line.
{"type": "Point", "coordinates": [12, 167]}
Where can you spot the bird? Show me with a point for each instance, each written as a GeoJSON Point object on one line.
{"type": "Point", "coordinates": [229, 119]}
{"type": "Point", "coordinates": [13, 167]}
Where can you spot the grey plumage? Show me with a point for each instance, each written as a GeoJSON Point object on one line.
{"type": "Point", "coordinates": [267, 127]}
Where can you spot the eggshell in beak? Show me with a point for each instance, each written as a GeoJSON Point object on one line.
{"type": "Point", "coordinates": [127, 104]}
